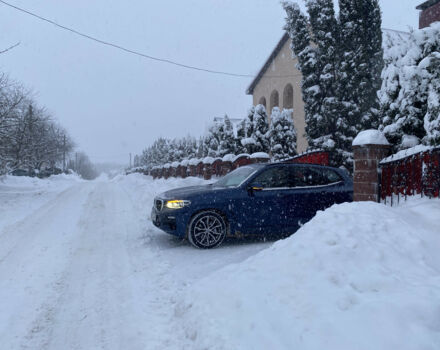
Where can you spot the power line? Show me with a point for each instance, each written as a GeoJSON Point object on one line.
{"type": "Point", "coordinates": [137, 53]}
{"type": "Point", "coordinates": [121, 47]}
{"type": "Point", "coordinates": [9, 48]}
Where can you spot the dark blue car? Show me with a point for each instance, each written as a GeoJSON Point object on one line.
{"type": "Point", "coordinates": [254, 199]}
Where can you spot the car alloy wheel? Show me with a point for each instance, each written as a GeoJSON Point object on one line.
{"type": "Point", "coordinates": [207, 230]}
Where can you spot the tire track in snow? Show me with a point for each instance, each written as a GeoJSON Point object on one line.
{"type": "Point", "coordinates": [33, 252]}
{"type": "Point", "coordinates": [13, 235]}
{"type": "Point", "coordinates": [114, 292]}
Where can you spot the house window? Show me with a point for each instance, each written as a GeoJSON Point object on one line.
{"type": "Point", "coordinates": [263, 101]}
{"type": "Point", "coordinates": [288, 97]}
{"type": "Point", "coordinates": [274, 100]}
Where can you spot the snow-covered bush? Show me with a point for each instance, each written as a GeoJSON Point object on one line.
{"type": "Point", "coordinates": [410, 93]}
{"type": "Point", "coordinates": [256, 129]}
{"type": "Point", "coordinates": [282, 135]}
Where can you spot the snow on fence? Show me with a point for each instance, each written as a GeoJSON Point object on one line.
{"type": "Point", "coordinates": [208, 167]}
{"type": "Point", "coordinates": [410, 172]}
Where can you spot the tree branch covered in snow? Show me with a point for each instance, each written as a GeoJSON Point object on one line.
{"type": "Point", "coordinates": [410, 93]}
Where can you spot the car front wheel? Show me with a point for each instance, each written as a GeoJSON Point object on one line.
{"type": "Point", "coordinates": [207, 230]}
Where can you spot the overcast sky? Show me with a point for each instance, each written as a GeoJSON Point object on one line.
{"type": "Point", "coordinates": [114, 103]}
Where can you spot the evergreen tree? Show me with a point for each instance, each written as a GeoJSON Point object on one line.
{"type": "Point", "coordinates": [432, 116]}
{"type": "Point", "coordinates": [227, 139]}
{"type": "Point", "coordinates": [362, 63]}
{"type": "Point", "coordinates": [248, 141]}
{"type": "Point", "coordinates": [190, 150]}
{"type": "Point", "coordinates": [297, 26]}
{"type": "Point", "coordinates": [341, 61]}
{"type": "Point", "coordinates": [260, 130]}
{"type": "Point", "coordinates": [213, 139]}
{"type": "Point", "coordinates": [282, 135]}
{"type": "Point", "coordinates": [241, 134]}
{"type": "Point", "coordinates": [326, 38]}
{"type": "Point", "coordinates": [396, 49]}
{"type": "Point", "coordinates": [411, 108]}
{"type": "Point", "coordinates": [173, 151]}
{"type": "Point", "coordinates": [201, 148]}
{"type": "Point", "coordinates": [207, 145]}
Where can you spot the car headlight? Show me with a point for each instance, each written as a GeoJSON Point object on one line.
{"type": "Point", "coordinates": [177, 204]}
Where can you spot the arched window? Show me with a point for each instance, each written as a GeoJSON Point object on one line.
{"type": "Point", "coordinates": [288, 97]}
{"type": "Point", "coordinates": [274, 100]}
{"type": "Point", "coordinates": [262, 101]}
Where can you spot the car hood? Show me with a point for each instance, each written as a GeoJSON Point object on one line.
{"type": "Point", "coordinates": [185, 192]}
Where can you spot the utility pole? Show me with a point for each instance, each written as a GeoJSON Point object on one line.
{"type": "Point", "coordinates": [130, 160]}
{"type": "Point", "coordinates": [76, 161]}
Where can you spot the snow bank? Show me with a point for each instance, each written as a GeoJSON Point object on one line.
{"type": "Point", "coordinates": [35, 183]}
{"type": "Point", "coordinates": [358, 276]}
{"type": "Point", "coordinates": [370, 137]}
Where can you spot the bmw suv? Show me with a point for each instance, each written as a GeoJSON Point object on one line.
{"type": "Point", "coordinates": [254, 199]}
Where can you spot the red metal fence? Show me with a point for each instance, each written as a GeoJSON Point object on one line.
{"type": "Point", "coordinates": [414, 174]}
{"type": "Point", "coordinates": [314, 157]}
{"type": "Point", "coordinates": [221, 168]}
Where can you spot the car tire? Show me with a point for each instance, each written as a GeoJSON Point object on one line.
{"type": "Point", "coordinates": [207, 229]}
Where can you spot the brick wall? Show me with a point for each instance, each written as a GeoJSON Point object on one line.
{"type": "Point", "coordinates": [430, 15]}
{"type": "Point", "coordinates": [366, 170]}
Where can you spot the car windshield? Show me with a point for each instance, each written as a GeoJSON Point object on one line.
{"type": "Point", "coordinates": [236, 177]}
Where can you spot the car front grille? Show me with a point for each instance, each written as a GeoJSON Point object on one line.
{"type": "Point", "coordinates": [158, 203]}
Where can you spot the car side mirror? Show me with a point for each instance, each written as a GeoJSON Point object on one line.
{"type": "Point", "coordinates": [255, 187]}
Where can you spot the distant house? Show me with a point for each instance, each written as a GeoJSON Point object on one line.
{"type": "Point", "coordinates": [430, 13]}
{"type": "Point", "coordinates": [278, 84]}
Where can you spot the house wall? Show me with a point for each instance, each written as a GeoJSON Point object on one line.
{"type": "Point", "coordinates": [430, 15]}
{"type": "Point", "coordinates": [281, 72]}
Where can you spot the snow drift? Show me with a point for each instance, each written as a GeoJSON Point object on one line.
{"type": "Point", "coordinates": [358, 276]}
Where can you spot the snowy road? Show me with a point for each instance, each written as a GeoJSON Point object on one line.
{"type": "Point", "coordinates": [82, 268]}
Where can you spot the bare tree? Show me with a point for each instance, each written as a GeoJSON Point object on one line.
{"type": "Point", "coordinates": [29, 137]}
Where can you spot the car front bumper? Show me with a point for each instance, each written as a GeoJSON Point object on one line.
{"type": "Point", "coordinates": [172, 221]}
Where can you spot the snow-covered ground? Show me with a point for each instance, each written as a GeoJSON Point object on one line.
{"type": "Point", "coordinates": [82, 267]}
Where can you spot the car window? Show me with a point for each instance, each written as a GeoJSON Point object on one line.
{"type": "Point", "coordinates": [330, 176]}
{"type": "Point", "coordinates": [274, 177]}
{"type": "Point", "coordinates": [306, 177]}
{"type": "Point", "coordinates": [235, 177]}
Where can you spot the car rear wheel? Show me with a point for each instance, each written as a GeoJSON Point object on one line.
{"type": "Point", "coordinates": [207, 230]}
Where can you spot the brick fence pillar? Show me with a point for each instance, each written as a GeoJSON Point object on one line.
{"type": "Point", "coordinates": [369, 148]}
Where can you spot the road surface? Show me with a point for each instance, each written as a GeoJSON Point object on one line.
{"type": "Point", "coordinates": [82, 267]}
